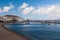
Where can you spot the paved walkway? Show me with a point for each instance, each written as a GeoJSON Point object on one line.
{"type": "Point", "coordinates": [7, 35]}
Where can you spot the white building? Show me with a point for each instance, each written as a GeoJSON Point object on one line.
{"type": "Point", "coordinates": [10, 18]}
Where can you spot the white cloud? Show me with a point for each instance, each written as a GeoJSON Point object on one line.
{"type": "Point", "coordinates": [0, 10]}
{"type": "Point", "coordinates": [52, 10]}
{"type": "Point", "coordinates": [24, 5]}
{"type": "Point", "coordinates": [25, 8]}
{"type": "Point", "coordinates": [28, 10]}
{"type": "Point", "coordinates": [7, 8]}
{"type": "Point", "coordinates": [44, 10]}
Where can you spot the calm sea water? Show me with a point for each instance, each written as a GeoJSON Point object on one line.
{"type": "Point", "coordinates": [37, 32]}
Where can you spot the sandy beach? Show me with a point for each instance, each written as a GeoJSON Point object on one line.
{"type": "Point", "coordinates": [8, 35]}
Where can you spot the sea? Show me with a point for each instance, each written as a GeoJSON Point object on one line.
{"type": "Point", "coordinates": [36, 31]}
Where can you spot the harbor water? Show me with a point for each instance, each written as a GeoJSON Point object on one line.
{"type": "Point", "coordinates": [36, 31]}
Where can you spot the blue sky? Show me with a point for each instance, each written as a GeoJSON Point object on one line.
{"type": "Point", "coordinates": [31, 9]}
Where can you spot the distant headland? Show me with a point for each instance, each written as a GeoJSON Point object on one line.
{"type": "Point", "coordinates": [14, 18]}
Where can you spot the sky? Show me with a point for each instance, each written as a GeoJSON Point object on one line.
{"type": "Point", "coordinates": [31, 9]}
